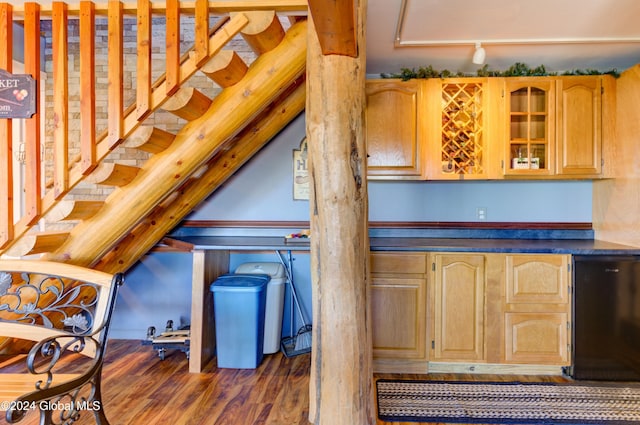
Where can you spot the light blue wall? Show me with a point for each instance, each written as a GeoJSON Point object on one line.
{"type": "Point", "coordinates": [158, 288]}
{"type": "Point", "coordinates": [505, 201]}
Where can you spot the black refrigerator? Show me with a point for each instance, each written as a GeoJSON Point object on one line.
{"type": "Point", "coordinates": [606, 318]}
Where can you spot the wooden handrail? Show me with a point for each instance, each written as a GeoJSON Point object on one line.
{"type": "Point", "coordinates": [220, 7]}
{"type": "Point", "coordinates": [64, 173]}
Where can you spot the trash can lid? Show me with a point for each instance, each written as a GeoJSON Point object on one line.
{"type": "Point", "coordinates": [274, 270]}
{"type": "Point", "coordinates": [240, 282]}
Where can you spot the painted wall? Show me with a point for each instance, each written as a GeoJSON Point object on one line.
{"type": "Point", "coordinates": [158, 287]}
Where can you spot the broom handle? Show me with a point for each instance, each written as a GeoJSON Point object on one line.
{"type": "Point", "coordinates": [294, 294]}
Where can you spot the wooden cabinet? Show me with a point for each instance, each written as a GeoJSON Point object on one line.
{"type": "Point", "coordinates": [399, 311]}
{"type": "Point", "coordinates": [488, 128]}
{"type": "Point", "coordinates": [537, 318]}
{"type": "Point", "coordinates": [458, 319]}
{"type": "Point", "coordinates": [579, 131]}
{"type": "Point", "coordinates": [394, 121]}
{"type": "Point", "coordinates": [499, 313]}
{"type": "Point", "coordinates": [554, 126]}
{"type": "Point", "coordinates": [530, 126]}
{"type": "Point", "coordinates": [459, 128]}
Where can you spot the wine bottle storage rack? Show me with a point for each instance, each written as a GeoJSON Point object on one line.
{"type": "Point", "coordinates": [462, 128]}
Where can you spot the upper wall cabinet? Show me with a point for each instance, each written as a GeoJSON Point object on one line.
{"type": "Point", "coordinates": [579, 125]}
{"type": "Point", "coordinates": [555, 126]}
{"type": "Point", "coordinates": [394, 130]}
{"type": "Point", "coordinates": [489, 128]}
{"type": "Point", "coordinates": [459, 126]}
{"type": "Point", "coordinates": [530, 126]}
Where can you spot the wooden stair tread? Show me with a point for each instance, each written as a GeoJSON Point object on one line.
{"type": "Point", "coordinates": [264, 31]}
{"type": "Point", "coordinates": [188, 103]}
{"type": "Point", "coordinates": [113, 174]}
{"type": "Point", "coordinates": [149, 139]}
{"type": "Point", "coordinates": [226, 68]}
{"type": "Point", "coordinates": [38, 243]}
{"type": "Point", "coordinates": [74, 210]}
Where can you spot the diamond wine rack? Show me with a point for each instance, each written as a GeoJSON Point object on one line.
{"type": "Point", "coordinates": [462, 128]}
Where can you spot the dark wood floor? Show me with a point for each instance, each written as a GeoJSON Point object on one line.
{"type": "Point", "coordinates": [141, 389]}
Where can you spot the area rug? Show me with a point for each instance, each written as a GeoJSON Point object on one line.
{"type": "Point", "coordinates": [508, 402]}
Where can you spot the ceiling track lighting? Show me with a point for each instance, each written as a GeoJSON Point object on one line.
{"type": "Point", "coordinates": [400, 41]}
{"type": "Point", "coordinates": [479, 55]}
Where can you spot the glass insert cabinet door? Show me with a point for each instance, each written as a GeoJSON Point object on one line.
{"type": "Point", "coordinates": [530, 126]}
{"type": "Point", "coordinates": [462, 148]}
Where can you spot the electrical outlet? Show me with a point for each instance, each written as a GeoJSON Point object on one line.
{"type": "Point", "coordinates": [481, 213]}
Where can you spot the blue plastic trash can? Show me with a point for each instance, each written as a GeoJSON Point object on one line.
{"type": "Point", "coordinates": [239, 305]}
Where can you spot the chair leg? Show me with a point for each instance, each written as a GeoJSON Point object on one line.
{"type": "Point", "coordinates": [101, 418]}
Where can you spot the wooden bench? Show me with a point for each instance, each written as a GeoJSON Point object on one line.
{"type": "Point", "coordinates": [60, 313]}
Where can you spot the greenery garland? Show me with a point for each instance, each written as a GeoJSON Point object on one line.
{"type": "Point", "coordinates": [516, 70]}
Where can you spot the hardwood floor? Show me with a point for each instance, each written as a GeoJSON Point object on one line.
{"type": "Point", "coordinates": [141, 389]}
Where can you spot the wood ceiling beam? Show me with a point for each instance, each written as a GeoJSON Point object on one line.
{"type": "Point", "coordinates": [335, 23]}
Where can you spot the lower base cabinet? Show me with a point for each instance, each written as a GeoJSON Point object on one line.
{"type": "Point", "coordinates": [399, 311]}
{"type": "Point", "coordinates": [537, 338]}
{"type": "Point", "coordinates": [458, 313]}
{"type": "Point", "coordinates": [471, 312]}
{"type": "Point", "coordinates": [537, 318]}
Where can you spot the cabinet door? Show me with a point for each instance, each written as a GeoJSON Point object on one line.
{"type": "Point", "coordinates": [579, 125]}
{"type": "Point", "coordinates": [459, 307]}
{"type": "Point", "coordinates": [458, 119]}
{"type": "Point", "coordinates": [537, 279]}
{"type": "Point", "coordinates": [537, 338]}
{"type": "Point", "coordinates": [398, 309]}
{"type": "Point", "coordinates": [399, 318]}
{"type": "Point", "coordinates": [537, 308]}
{"type": "Point", "coordinates": [394, 146]}
{"type": "Point", "coordinates": [530, 126]}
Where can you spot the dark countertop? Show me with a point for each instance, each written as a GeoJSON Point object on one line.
{"type": "Point", "coordinates": [541, 246]}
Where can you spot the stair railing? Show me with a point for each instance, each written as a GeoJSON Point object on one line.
{"type": "Point", "coordinates": [67, 170]}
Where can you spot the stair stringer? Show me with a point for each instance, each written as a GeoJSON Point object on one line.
{"type": "Point", "coordinates": [194, 146]}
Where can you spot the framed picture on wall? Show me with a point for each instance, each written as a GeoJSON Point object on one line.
{"type": "Point", "coordinates": [300, 173]}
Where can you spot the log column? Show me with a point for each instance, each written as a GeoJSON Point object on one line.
{"type": "Point", "coordinates": [341, 377]}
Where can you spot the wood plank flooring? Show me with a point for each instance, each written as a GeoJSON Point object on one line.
{"type": "Point", "coordinates": [141, 389]}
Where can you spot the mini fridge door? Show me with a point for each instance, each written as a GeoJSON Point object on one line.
{"type": "Point", "coordinates": [606, 338]}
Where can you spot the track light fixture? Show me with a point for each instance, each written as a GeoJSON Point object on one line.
{"type": "Point", "coordinates": [479, 55]}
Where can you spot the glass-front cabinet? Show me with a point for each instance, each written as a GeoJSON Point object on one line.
{"type": "Point", "coordinates": [530, 126]}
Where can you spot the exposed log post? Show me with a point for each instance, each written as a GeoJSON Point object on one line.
{"type": "Point", "coordinates": [335, 26]}
{"type": "Point", "coordinates": [341, 386]}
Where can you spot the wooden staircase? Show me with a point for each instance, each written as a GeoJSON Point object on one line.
{"type": "Point", "coordinates": [254, 102]}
